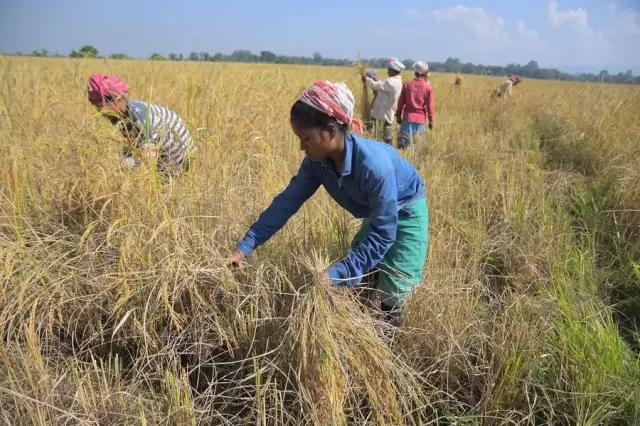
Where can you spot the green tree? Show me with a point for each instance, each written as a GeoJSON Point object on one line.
{"type": "Point", "coordinates": [268, 57]}
{"type": "Point", "coordinates": [451, 65]}
{"type": "Point", "coordinates": [157, 57]}
{"type": "Point", "coordinates": [242, 55]}
{"type": "Point", "coordinates": [468, 68]}
{"type": "Point", "coordinates": [86, 51]}
{"type": "Point", "coordinates": [118, 56]}
{"type": "Point", "coordinates": [603, 76]}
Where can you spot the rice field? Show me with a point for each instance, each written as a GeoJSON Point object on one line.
{"type": "Point", "coordinates": [116, 307]}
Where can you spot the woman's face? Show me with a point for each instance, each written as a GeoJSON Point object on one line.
{"type": "Point", "coordinates": [112, 107]}
{"type": "Point", "coordinates": [316, 143]}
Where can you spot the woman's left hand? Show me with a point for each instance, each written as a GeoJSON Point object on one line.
{"type": "Point", "coordinates": [325, 280]}
{"type": "Point", "coordinates": [129, 162]}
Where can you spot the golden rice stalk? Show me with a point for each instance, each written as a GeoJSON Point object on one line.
{"type": "Point", "coordinates": [342, 364]}
{"type": "Point", "coordinates": [365, 109]}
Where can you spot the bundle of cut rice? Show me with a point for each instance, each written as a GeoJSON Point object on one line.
{"type": "Point", "coordinates": [346, 373]}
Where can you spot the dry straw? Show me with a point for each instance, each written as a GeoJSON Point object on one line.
{"type": "Point", "coordinates": [116, 307]}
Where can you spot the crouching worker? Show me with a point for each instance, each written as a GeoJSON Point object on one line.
{"type": "Point", "coordinates": [153, 132]}
{"type": "Point", "coordinates": [369, 180]}
{"type": "Point", "coordinates": [505, 88]}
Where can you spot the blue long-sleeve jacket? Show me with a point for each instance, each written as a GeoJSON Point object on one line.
{"type": "Point", "coordinates": [375, 183]}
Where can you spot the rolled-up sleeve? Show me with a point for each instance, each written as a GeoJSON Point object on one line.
{"type": "Point", "coordinates": [302, 186]}
{"type": "Point", "coordinates": [430, 103]}
{"type": "Point", "coordinates": [401, 102]}
{"type": "Point", "coordinates": [383, 226]}
{"type": "Point", "coordinates": [376, 85]}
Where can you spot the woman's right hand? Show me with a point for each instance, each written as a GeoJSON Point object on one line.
{"type": "Point", "coordinates": [236, 262]}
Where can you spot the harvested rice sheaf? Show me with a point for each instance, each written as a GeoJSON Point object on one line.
{"type": "Point", "coordinates": [346, 371]}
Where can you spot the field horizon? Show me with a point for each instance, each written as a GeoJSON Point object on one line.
{"type": "Point", "coordinates": [116, 307]}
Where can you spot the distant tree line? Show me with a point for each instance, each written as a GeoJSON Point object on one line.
{"type": "Point", "coordinates": [451, 65]}
{"type": "Point", "coordinates": [530, 70]}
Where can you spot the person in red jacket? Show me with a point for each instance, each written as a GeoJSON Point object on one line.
{"type": "Point", "coordinates": [416, 104]}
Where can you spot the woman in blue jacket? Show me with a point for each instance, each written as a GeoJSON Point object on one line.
{"type": "Point", "coordinates": [369, 180]}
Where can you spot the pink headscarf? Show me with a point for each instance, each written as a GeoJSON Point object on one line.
{"type": "Point", "coordinates": [101, 85]}
{"type": "Point", "coordinates": [515, 78]}
{"type": "Point", "coordinates": [333, 99]}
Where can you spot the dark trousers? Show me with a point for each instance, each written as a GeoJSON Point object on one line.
{"type": "Point", "coordinates": [381, 129]}
{"type": "Point", "coordinates": [368, 295]}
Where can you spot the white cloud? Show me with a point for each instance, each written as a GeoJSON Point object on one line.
{"type": "Point", "coordinates": [473, 19]}
{"type": "Point", "coordinates": [627, 23]}
{"type": "Point", "coordinates": [575, 23]}
{"type": "Point", "coordinates": [413, 14]}
{"type": "Point", "coordinates": [622, 38]}
{"type": "Point", "coordinates": [524, 31]}
{"type": "Point", "coordinates": [569, 39]}
{"type": "Point", "coordinates": [475, 35]}
{"type": "Point", "coordinates": [576, 17]}
{"type": "Point", "coordinates": [613, 44]}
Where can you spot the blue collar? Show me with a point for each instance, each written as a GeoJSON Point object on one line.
{"type": "Point", "coordinates": [348, 156]}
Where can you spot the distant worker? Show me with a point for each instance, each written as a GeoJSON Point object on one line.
{"type": "Point", "coordinates": [504, 89]}
{"type": "Point", "coordinates": [416, 103]}
{"type": "Point", "coordinates": [386, 99]}
{"type": "Point", "coordinates": [153, 132]}
{"type": "Point", "coordinates": [458, 81]}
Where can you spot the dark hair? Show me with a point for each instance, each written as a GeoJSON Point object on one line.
{"type": "Point", "coordinates": [394, 72]}
{"type": "Point", "coordinates": [307, 117]}
{"type": "Point", "coordinates": [122, 123]}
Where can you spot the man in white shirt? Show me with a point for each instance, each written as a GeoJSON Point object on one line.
{"type": "Point", "coordinates": [386, 100]}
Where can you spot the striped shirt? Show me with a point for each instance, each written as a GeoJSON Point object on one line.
{"type": "Point", "coordinates": [163, 129]}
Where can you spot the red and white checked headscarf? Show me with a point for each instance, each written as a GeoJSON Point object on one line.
{"type": "Point", "coordinates": [101, 85]}
{"type": "Point", "coordinates": [515, 78]}
{"type": "Point", "coordinates": [396, 65]}
{"type": "Point", "coordinates": [421, 67]}
{"type": "Point", "coordinates": [333, 99]}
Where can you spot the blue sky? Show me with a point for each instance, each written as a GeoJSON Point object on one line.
{"type": "Point", "coordinates": [569, 34]}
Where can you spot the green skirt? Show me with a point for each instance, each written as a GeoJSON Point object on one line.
{"type": "Point", "coordinates": [401, 269]}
